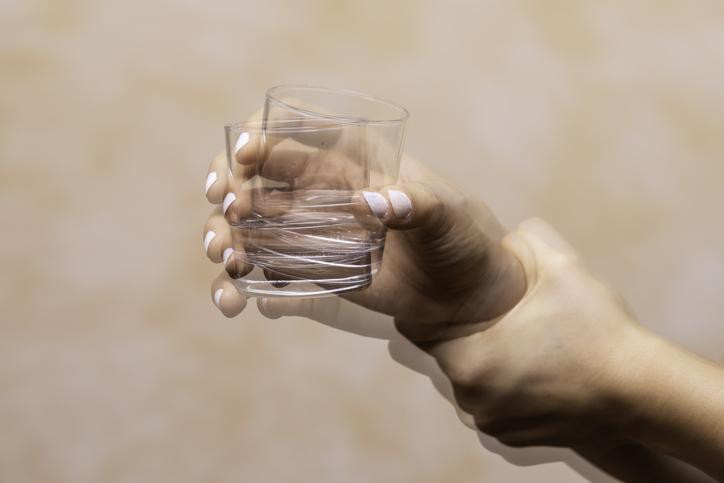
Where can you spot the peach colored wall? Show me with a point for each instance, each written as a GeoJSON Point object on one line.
{"type": "Point", "coordinates": [607, 118]}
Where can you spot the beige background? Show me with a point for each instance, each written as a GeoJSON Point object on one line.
{"type": "Point", "coordinates": [607, 118]}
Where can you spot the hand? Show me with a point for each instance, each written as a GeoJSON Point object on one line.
{"type": "Point", "coordinates": [443, 271]}
{"type": "Point", "coordinates": [567, 365]}
{"type": "Point", "coordinates": [563, 366]}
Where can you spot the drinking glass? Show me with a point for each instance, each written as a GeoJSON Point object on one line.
{"type": "Point", "coordinates": [299, 222]}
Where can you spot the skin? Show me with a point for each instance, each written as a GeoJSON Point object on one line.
{"type": "Point", "coordinates": [537, 350]}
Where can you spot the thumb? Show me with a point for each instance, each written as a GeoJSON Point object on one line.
{"type": "Point", "coordinates": [459, 241]}
{"type": "Point", "coordinates": [408, 205]}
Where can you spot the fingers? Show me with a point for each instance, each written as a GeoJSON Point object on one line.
{"type": "Point", "coordinates": [236, 203]}
{"type": "Point", "coordinates": [226, 245]}
{"type": "Point", "coordinates": [274, 308]}
{"type": "Point", "coordinates": [287, 161]}
{"type": "Point", "coordinates": [312, 129]}
{"type": "Point", "coordinates": [279, 154]}
{"type": "Point", "coordinates": [236, 200]}
{"type": "Point", "coordinates": [216, 179]}
{"type": "Point", "coordinates": [519, 432]}
{"type": "Point", "coordinates": [406, 206]}
{"type": "Point", "coordinates": [217, 236]}
{"type": "Point", "coordinates": [320, 309]}
{"type": "Point", "coordinates": [226, 297]}
{"type": "Point", "coordinates": [270, 202]}
{"type": "Point", "coordinates": [244, 146]}
{"type": "Point", "coordinates": [267, 195]}
{"type": "Point", "coordinates": [321, 134]}
{"type": "Point", "coordinates": [235, 258]}
{"type": "Point", "coordinates": [247, 148]}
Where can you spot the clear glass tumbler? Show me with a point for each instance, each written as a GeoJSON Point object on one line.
{"type": "Point", "coordinates": [299, 224]}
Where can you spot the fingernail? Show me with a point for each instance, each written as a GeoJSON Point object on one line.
{"type": "Point", "coordinates": [210, 235]}
{"type": "Point", "coordinates": [376, 202]}
{"type": "Point", "coordinates": [227, 253]}
{"type": "Point", "coordinates": [210, 180]}
{"type": "Point", "coordinates": [241, 142]}
{"type": "Point", "coordinates": [401, 204]}
{"type": "Point", "coordinates": [217, 296]}
{"type": "Point", "coordinates": [228, 200]}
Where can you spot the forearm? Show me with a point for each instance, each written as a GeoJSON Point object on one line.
{"type": "Point", "coordinates": [679, 408]}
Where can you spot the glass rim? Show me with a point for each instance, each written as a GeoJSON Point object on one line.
{"type": "Point", "coordinates": [404, 113]}
{"type": "Point", "coordinates": [278, 126]}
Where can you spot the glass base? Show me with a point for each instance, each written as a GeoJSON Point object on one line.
{"type": "Point", "coordinates": [255, 284]}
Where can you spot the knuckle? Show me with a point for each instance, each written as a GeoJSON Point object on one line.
{"type": "Point", "coordinates": [485, 424]}
{"type": "Point", "coordinates": [467, 398]}
{"type": "Point", "coordinates": [462, 374]}
{"type": "Point", "coordinates": [232, 216]}
{"type": "Point", "coordinates": [490, 422]}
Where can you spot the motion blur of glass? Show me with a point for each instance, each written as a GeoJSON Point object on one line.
{"type": "Point", "coordinates": [300, 226]}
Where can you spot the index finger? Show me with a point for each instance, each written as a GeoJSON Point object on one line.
{"type": "Point", "coordinates": [216, 179]}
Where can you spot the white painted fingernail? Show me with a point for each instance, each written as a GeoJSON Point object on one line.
{"type": "Point", "coordinates": [217, 296]}
{"type": "Point", "coordinates": [401, 204]}
{"type": "Point", "coordinates": [210, 235]}
{"type": "Point", "coordinates": [210, 180]}
{"type": "Point", "coordinates": [228, 200]}
{"type": "Point", "coordinates": [376, 202]}
{"type": "Point", "coordinates": [227, 253]}
{"type": "Point", "coordinates": [241, 142]}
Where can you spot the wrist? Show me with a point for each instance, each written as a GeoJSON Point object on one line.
{"type": "Point", "coordinates": [632, 384]}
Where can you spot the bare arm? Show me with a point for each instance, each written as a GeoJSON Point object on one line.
{"type": "Point", "coordinates": [570, 366]}
{"type": "Point", "coordinates": [566, 365]}
{"type": "Point", "coordinates": [680, 408]}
